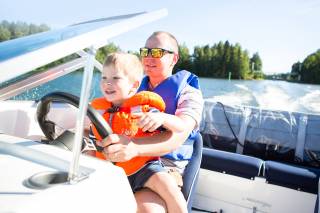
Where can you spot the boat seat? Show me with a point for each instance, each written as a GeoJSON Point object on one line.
{"type": "Point", "coordinates": [191, 172]}
{"type": "Point", "coordinates": [292, 176]}
{"type": "Point", "coordinates": [316, 208]}
{"type": "Point", "coordinates": [231, 163]}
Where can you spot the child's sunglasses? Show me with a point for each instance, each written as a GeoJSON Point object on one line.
{"type": "Point", "coordinates": [155, 52]}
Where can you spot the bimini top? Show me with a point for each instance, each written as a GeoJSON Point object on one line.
{"type": "Point", "coordinates": [24, 54]}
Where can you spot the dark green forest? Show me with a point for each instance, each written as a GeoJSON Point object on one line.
{"type": "Point", "coordinates": [307, 71]}
{"type": "Point", "coordinates": [12, 30]}
{"type": "Point", "coordinates": [219, 60]}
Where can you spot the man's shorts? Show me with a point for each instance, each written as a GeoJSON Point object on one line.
{"type": "Point", "coordinates": [175, 169]}
{"type": "Point", "coordinates": [138, 179]}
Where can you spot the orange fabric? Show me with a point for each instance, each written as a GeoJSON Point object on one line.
{"type": "Point", "coordinates": [122, 122]}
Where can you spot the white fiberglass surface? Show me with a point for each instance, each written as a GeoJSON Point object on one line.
{"type": "Point", "coordinates": [217, 191]}
{"type": "Point", "coordinates": [106, 183]}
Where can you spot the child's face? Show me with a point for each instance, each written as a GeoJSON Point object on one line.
{"type": "Point", "coordinates": [116, 86]}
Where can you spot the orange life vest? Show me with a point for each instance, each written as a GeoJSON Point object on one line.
{"type": "Point", "coordinates": [122, 122]}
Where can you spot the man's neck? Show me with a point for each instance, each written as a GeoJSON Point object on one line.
{"type": "Point", "coordinates": [153, 83]}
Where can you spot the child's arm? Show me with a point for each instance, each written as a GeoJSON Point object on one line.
{"type": "Point", "coordinates": [150, 121]}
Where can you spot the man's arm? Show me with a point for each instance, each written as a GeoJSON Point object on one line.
{"type": "Point", "coordinates": [165, 142]}
{"type": "Point", "coordinates": [153, 120]}
{"type": "Point", "coordinates": [120, 148]}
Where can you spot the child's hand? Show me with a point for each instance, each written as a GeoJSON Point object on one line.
{"type": "Point", "coordinates": [150, 121]}
{"type": "Point", "coordinates": [118, 148]}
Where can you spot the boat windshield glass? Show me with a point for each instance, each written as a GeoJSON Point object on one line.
{"type": "Point", "coordinates": [17, 47]}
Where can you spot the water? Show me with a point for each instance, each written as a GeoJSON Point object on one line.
{"type": "Point", "coordinates": [267, 94]}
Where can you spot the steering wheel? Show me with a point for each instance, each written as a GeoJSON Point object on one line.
{"type": "Point", "coordinates": [65, 140]}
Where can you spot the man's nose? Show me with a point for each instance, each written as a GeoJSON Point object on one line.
{"type": "Point", "coordinates": [149, 59]}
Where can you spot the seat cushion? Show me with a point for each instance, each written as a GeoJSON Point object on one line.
{"type": "Point", "coordinates": [231, 163]}
{"type": "Point", "coordinates": [292, 176]}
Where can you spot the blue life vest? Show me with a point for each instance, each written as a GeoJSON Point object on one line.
{"type": "Point", "coordinates": [170, 90]}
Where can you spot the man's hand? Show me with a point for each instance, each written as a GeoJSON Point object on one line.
{"type": "Point", "coordinates": [118, 148]}
{"type": "Point", "coordinates": [150, 121]}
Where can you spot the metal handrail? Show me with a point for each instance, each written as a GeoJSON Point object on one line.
{"type": "Point", "coordinates": [74, 175]}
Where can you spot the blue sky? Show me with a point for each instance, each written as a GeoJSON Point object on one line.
{"type": "Point", "coordinates": [281, 31]}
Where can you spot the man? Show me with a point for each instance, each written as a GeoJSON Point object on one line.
{"type": "Point", "coordinates": [184, 103]}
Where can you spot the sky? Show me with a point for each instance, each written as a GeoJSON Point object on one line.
{"type": "Point", "coordinates": [281, 31]}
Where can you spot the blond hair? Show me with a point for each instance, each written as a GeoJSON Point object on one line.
{"type": "Point", "coordinates": [126, 63]}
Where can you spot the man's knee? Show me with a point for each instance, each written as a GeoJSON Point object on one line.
{"type": "Point", "coordinates": [149, 201]}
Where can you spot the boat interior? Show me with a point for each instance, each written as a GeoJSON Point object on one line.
{"type": "Point", "coordinates": [251, 160]}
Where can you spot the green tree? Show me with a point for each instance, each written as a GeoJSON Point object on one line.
{"type": "Point", "coordinates": [219, 68]}
{"type": "Point", "coordinates": [236, 61]}
{"type": "Point", "coordinates": [310, 70]}
{"type": "Point", "coordinates": [5, 34]}
{"type": "Point", "coordinates": [296, 71]}
{"type": "Point", "coordinates": [223, 58]}
{"type": "Point", "coordinates": [184, 62]}
{"type": "Point", "coordinates": [19, 29]}
{"type": "Point", "coordinates": [197, 61]}
{"type": "Point", "coordinates": [256, 66]}
{"type": "Point", "coordinates": [104, 51]}
{"type": "Point", "coordinates": [244, 65]}
{"type": "Point", "coordinates": [11, 30]}
{"type": "Point", "coordinates": [255, 62]}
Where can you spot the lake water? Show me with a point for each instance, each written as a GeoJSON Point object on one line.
{"type": "Point", "coordinates": [267, 94]}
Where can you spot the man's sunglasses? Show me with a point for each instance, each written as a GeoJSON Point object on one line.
{"type": "Point", "coordinates": [155, 52]}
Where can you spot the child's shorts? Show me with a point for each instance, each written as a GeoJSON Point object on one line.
{"type": "Point", "coordinates": [138, 179]}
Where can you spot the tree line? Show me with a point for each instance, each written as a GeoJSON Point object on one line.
{"type": "Point", "coordinates": [12, 30]}
{"type": "Point", "coordinates": [221, 60]}
{"type": "Point", "coordinates": [307, 71]}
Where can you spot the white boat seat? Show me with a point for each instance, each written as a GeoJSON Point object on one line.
{"type": "Point", "coordinates": [231, 163]}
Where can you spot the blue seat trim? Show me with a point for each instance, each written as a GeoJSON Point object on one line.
{"type": "Point", "coordinates": [231, 163]}
{"type": "Point", "coordinates": [191, 172]}
{"type": "Point", "coordinates": [295, 177]}
{"type": "Point", "coordinates": [316, 208]}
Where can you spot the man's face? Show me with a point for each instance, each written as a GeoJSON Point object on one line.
{"type": "Point", "coordinates": [159, 68]}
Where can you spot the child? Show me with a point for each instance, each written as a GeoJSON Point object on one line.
{"type": "Point", "coordinates": [120, 80]}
